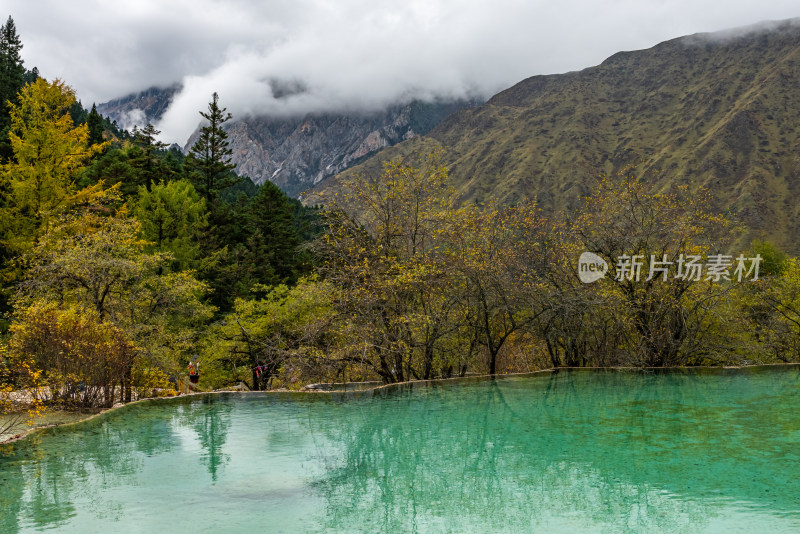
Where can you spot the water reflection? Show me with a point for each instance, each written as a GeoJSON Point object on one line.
{"type": "Point", "coordinates": [653, 453]}
{"type": "Point", "coordinates": [571, 452]}
{"type": "Point", "coordinates": [44, 476]}
{"type": "Point", "coordinates": [210, 419]}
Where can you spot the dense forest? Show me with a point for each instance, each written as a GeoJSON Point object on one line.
{"type": "Point", "coordinates": [124, 261]}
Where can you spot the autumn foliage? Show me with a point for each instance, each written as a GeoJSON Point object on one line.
{"type": "Point", "coordinates": [84, 361]}
{"type": "Point", "coordinates": [109, 275]}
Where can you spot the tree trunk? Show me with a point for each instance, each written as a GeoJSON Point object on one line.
{"type": "Point", "coordinates": [492, 361]}
{"type": "Point", "coordinates": [126, 392]}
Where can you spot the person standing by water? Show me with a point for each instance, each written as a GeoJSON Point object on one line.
{"type": "Point", "coordinates": [194, 372]}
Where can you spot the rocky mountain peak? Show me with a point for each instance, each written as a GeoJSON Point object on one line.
{"type": "Point", "coordinates": [297, 153]}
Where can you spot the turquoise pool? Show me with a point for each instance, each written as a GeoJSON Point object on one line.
{"type": "Point", "coordinates": [577, 451]}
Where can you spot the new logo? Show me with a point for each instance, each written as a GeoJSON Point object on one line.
{"type": "Point", "coordinates": [591, 267]}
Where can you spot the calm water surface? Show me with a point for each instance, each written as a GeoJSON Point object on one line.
{"type": "Point", "coordinates": [581, 451]}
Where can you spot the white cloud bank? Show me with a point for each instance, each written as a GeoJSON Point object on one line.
{"type": "Point", "coordinates": [344, 54]}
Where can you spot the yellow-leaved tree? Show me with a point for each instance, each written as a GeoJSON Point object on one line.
{"type": "Point", "coordinates": [382, 250]}
{"type": "Point", "coordinates": [96, 309]}
{"type": "Point", "coordinates": [39, 182]}
{"type": "Point", "coordinates": [670, 312]}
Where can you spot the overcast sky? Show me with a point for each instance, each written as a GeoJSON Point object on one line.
{"type": "Point", "coordinates": [343, 53]}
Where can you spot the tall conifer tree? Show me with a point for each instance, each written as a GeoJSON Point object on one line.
{"type": "Point", "coordinates": [208, 162]}
{"type": "Point", "coordinates": [12, 78]}
{"type": "Point", "coordinates": [150, 166]}
{"type": "Point", "coordinates": [95, 123]}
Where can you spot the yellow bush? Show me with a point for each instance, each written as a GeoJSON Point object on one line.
{"type": "Point", "coordinates": [70, 354]}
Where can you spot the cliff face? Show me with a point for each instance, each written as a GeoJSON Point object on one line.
{"type": "Point", "coordinates": [299, 152]}
{"type": "Point", "coordinates": [140, 108]}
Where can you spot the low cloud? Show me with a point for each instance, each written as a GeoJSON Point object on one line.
{"type": "Point", "coordinates": [292, 57]}
{"type": "Point", "coordinates": [743, 31]}
{"type": "Point", "coordinates": [133, 118]}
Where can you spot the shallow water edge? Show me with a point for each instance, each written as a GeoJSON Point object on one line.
{"type": "Point", "coordinates": [409, 384]}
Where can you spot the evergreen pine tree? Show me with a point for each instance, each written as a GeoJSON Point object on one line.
{"type": "Point", "coordinates": [31, 76]}
{"type": "Point", "coordinates": [95, 123]}
{"type": "Point", "coordinates": [12, 78]}
{"type": "Point", "coordinates": [208, 161]}
{"type": "Point", "coordinates": [149, 165]}
{"type": "Point", "coordinates": [274, 239]}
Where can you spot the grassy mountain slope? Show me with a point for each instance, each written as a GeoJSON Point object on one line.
{"type": "Point", "coordinates": [715, 110]}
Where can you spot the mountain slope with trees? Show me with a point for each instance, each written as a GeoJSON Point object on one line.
{"type": "Point", "coordinates": [124, 262]}
{"type": "Point", "coordinates": [713, 110]}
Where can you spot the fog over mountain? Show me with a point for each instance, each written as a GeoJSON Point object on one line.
{"type": "Point", "coordinates": [291, 58]}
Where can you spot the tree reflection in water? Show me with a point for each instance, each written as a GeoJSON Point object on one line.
{"type": "Point", "coordinates": [42, 490]}
{"type": "Point", "coordinates": [575, 451]}
{"type": "Point", "coordinates": [650, 453]}
{"type": "Point", "coordinates": [210, 419]}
